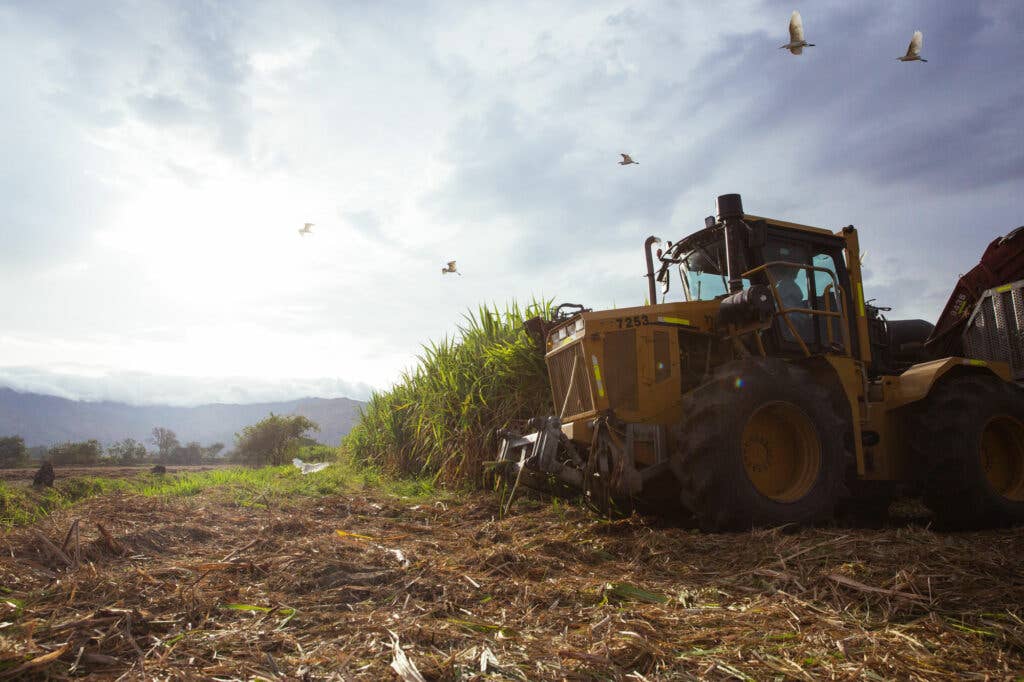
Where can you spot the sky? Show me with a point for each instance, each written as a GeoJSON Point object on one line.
{"type": "Point", "coordinates": [159, 158]}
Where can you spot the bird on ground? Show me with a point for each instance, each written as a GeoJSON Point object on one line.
{"type": "Point", "coordinates": [309, 467]}
{"type": "Point", "coordinates": [450, 268]}
{"type": "Point", "coordinates": [626, 160]}
{"type": "Point", "coordinates": [796, 42]}
{"type": "Point", "coordinates": [914, 51]}
{"type": "Point", "coordinates": [306, 229]}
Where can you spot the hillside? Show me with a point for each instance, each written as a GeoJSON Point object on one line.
{"type": "Point", "coordinates": [45, 420]}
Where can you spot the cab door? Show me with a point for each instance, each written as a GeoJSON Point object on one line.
{"type": "Point", "coordinates": [806, 289]}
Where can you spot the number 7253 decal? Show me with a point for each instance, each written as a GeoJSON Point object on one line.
{"type": "Point", "coordinates": [635, 321]}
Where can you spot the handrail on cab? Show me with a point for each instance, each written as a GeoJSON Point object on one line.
{"type": "Point", "coordinates": [828, 313]}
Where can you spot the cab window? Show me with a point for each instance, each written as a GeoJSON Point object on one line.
{"type": "Point", "coordinates": [703, 273]}
{"type": "Point", "coordinates": [802, 288]}
{"type": "Point", "coordinates": [826, 298]}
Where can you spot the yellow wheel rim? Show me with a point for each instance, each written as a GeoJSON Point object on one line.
{"type": "Point", "coordinates": [1002, 456]}
{"type": "Point", "coordinates": [781, 451]}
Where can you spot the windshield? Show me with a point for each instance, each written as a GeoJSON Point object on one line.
{"type": "Point", "coordinates": [703, 272]}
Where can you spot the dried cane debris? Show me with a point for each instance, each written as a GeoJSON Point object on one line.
{"type": "Point", "coordinates": [401, 664]}
{"type": "Point", "coordinates": [326, 588]}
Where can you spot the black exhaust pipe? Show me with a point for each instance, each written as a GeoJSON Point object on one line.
{"type": "Point", "coordinates": [729, 206]}
{"type": "Point", "coordinates": [730, 212]}
{"type": "Point", "coordinates": [651, 289]}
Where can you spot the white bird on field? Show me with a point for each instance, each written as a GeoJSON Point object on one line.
{"type": "Point", "coordinates": [309, 468]}
{"type": "Point", "coordinates": [450, 268]}
{"type": "Point", "coordinates": [626, 160]}
{"type": "Point", "coordinates": [914, 51]}
{"type": "Point", "coordinates": [306, 229]}
{"type": "Point", "coordinates": [796, 42]}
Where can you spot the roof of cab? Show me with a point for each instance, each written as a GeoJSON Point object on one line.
{"type": "Point", "coordinates": [793, 226]}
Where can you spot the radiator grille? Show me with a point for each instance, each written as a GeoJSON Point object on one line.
{"type": "Point", "coordinates": [994, 330]}
{"type": "Point", "coordinates": [620, 369]}
{"type": "Point", "coordinates": [570, 389]}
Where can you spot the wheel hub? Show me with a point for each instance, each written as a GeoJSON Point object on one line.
{"type": "Point", "coordinates": [1002, 456]}
{"type": "Point", "coordinates": [781, 451]}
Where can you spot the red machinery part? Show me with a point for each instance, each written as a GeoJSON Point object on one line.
{"type": "Point", "coordinates": [1002, 262]}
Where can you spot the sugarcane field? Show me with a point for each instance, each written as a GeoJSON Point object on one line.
{"type": "Point", "coordinates": [445, 342]}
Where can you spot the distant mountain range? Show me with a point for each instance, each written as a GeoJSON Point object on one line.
{"type": "Point", "coordinates": [46, 420]}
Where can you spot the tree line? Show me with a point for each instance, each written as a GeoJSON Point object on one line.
{"type": "Point", "coordinates": [272, 441]}
{"type": "Point", "coordinates": [14, 453]}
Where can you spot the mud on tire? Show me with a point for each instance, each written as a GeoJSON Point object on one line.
{"type": "Point", "coordinates": [733, 455]}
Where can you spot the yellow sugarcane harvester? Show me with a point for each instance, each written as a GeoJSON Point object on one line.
{"type": "Point", "coordinates": [774, 393]}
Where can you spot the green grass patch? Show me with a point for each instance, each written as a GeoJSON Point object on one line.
{"type": "Point", "coordinates": [21, 505]}
{"type": "Point", "coordinates": [244, 486]}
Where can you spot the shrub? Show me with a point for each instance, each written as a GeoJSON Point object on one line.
{"type": "Point", "coordinates": [12, 452]}
{"type": "Point", "coordinates": [317, 453]}
{"type": "Point", "coordinates": [83, 453]}
{"type": "Point", "coordinates": [274, 440]}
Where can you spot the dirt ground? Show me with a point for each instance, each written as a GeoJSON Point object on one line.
{"type": "Point", "coordinates": [321, 589]}
{"type": "Point", "coordinates": [24, 476]}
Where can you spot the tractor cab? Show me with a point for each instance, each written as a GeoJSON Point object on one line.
{"type": "Point", "coordinates": [801, 269]}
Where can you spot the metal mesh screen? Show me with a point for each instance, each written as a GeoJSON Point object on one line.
{"type": "Point", "coordinates": [570, 387]}
{"type": "Point", "coordinates": [993, 331]}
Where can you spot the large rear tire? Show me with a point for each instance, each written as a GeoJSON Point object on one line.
{"type": "Point", "coordinates": [968, 443]}
{"type": "Point", "coordinates": [760, 445]}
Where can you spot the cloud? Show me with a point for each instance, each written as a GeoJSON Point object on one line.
{"type": "Point", "coordinates": [165, 154]}
{"type": "Point", "coordinates": [161, 109]}
{"type": "Point", "coordinates": [366, 223]}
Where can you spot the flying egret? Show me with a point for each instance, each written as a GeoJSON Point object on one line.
{"type": "Point", "coordinates": [308, 467]}
{"type": "Point", "coordinates": [307, 229]}
{"type": "Point", "coordinates": [914, 51]}
{"type": "Point", "coordinates": [796, 42]}
{"type": "Point", "coordinates": [450, 268]}
{"type": "Point", "coordinates": [626, 160]}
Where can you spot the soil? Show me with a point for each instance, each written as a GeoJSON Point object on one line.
{"type": "Point", "coordinates": [323, 588]}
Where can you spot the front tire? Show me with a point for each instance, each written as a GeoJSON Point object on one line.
{"type": "Point", "coordinates": [760, 445]}
{"type": "Point", "coordinates": [968, 437]}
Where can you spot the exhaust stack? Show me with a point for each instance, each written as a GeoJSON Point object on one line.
{"type": "Point", "coordinates": [730, 213]}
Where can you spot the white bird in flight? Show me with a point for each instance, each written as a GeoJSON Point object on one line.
{"type": "Point", "coordinates": [309, 468]}
{"type": "Point", "coordinates": [796, 42]}
{"type": "Point", "coordinates": [626, 160]}
{"type": "Point", "coordinates": [306, 229]}
{"type": "Point", "coordinates": [450, 268]}
{"type": "Point", "coordinates": [914, 51]}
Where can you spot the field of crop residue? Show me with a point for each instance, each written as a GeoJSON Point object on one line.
{"type": "Point", "coordinates": [321, 587]}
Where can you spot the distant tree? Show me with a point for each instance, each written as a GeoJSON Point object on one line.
{"type": "Point", "coordinates": [12, 452]}
{"type": "Point", "coordinates": [84, 453]}
{"type": "Point", "coordinates": [37, 452]}
{"type": "Point", "coordinates": [166, 442]}
{"type": "Point", "coordinates": [190, 453]}
{"type": "Point", "coordinates": [274, 440]}
{"type": "Point", "coordinates": [211, 452]}
{"type": "Point", "coordinates": [127, 451]}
